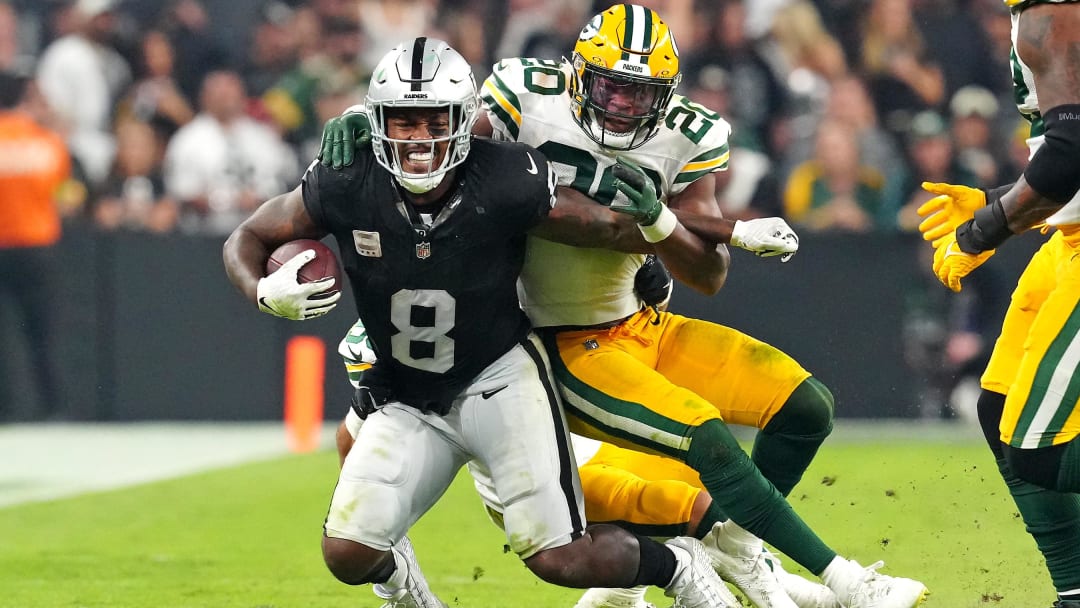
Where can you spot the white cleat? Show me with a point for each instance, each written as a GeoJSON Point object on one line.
{"type": "Point", "coordinates": [415, 593]}
{"type": "Point", "coordinates": [696, 584]}
{"type": "Point", "coordinates": [403, 599]}
{"type": "Point", "coordinates": [805, 593]}
{"type": "Point", "coordinates": [599, 597]}
{"type": "Point", "coordinates": [859, 587]}
{"type": "Point", "coordinates": [744, 566]}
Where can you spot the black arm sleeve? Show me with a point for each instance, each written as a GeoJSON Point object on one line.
{"type": "Point", "coordinates": [1054, 171]}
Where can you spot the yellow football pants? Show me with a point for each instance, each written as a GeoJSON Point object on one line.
{"type": "Point", "coordinates": [646, 383]}
{"type": "Point", "coordinates": [654, 494]}
{"type": "Point", "coordinates": [1036, 357]}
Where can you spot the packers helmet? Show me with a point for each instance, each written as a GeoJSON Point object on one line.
{"type": "Point", "coordinates": [626, 68]}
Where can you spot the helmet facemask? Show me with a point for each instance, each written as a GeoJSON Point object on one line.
{"type": "Point", "coordinates": [422, 77]}
{"type": "Point", "coordinates": [618, 110]}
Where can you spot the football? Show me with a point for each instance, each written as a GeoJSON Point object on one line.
{"type": "Point", "coordinates": [325, 264]}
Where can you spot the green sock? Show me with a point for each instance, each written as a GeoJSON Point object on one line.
{"type": "Point", "coordinates": [712, 515]}
{"type": "Point", "coordinates": [740, 491]}
{"type": "Point", "coordinates": [1053, 520]}
{"type": "Point", "coordinates": [788, 443]}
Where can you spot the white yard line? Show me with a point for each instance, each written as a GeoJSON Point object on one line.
{"type": "Point", "coordinates": [48, 461]}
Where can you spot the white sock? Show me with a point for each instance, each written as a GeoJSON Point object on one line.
{"type": "Point", "coordinates": [836, 569]}
{"type": "Point", "coordinates": [613, 597]}
{"type": "Point", "coordinates": [732, 538]}
{"type": "Point", "coordinates": [629, 595]}
{"type": "Point", "coordinates": [682, 562]}
{"type": "Point", "coordinates": [400, 576]}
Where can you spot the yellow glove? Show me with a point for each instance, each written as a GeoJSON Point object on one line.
{"type": "Point", "coordinates": [951, 264]}
{"type": "Point", "coordinates": [953, 206]}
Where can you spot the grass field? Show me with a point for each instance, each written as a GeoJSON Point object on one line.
{"type": "Point", "coordinates": [248, 537]}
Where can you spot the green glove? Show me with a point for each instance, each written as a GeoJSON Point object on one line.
{"type": "Point", "coordinates": [641, 200]}
{"type": "Point", "coordinates": [341, 135]}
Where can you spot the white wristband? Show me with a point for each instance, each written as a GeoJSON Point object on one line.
{"type": "Point", "coordinates": [660, 229]}
{"type": "Point", "coordinates": [737, 234]}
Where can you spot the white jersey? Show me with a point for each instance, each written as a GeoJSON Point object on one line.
{"type": "Point", "coordinates": [527, 101]}
{"type": "Point", "coordinates": [1027, 101]}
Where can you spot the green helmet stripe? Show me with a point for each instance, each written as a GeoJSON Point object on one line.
{"type": "Point", "coordinates": [628, 32]}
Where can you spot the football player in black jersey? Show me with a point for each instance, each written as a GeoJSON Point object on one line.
{"type": "Point", "coordinates": [431, 226]}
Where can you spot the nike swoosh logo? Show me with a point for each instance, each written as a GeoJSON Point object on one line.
{"type": "Point", "coordinates": [491, 393]}
{"type": "Point", "coordinates": [532, 165]}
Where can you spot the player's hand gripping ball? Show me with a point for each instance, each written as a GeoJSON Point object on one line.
{"type": "Point", "coordinates": [303, 281]}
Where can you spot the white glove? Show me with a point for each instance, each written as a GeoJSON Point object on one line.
{"type": "Point", "coordinates": [281, 295]}
{"type": "Point", "coordinates": [767, 236]}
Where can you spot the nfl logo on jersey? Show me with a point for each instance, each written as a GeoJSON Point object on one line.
{"type": "Point", "coordinates": [423, 250]}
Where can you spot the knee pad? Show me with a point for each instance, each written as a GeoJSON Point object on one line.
{"type": "Point", "coordinates": [1038, 466]}
{"type": "Point", "coordinates": [809, 411]}
{"type": "Point", "coordinates": [713, 447]}
{"type": "Point", "coordinates": [1054, 171]}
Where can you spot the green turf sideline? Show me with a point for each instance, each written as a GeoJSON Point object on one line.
{"type": "Point", "coordinates": [248, 536]}
{"type": "Point", "coordinates": [47, 461]}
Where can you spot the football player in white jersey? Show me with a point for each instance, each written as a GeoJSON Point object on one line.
{"type": "Point", "coordinates": [613, 127]}
{"type": "Point", "coordinates": [1029, 407]}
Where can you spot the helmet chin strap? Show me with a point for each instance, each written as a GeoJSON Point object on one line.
{"type": "Point", "coordinates": [420, 185]}
{"type": "Point", "coordinates": [611, 138]}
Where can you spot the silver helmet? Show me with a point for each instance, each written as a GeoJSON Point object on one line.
{"type": "Point", "coordinates": [423, 73]}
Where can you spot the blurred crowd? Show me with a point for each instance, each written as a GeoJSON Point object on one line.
{"type": "Point", "coordinates": [184, 115]}
{"type": "Point", "coordinates": [180, 119]}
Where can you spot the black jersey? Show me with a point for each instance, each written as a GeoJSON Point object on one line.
{"type": "Point", "coordinates": [440, 302]}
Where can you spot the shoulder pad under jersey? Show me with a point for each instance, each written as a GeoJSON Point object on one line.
{"type": "Point", "coordinates": [513, 81]}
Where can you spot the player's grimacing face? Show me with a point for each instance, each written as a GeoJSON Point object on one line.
{"type": "Point", "coordinates": [417, 126]}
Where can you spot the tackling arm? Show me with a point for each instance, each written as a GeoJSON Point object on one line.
{"type": "Point", "coordinates": [701, 263]}
{"type": "Point", "coordinates": [580, 221]}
